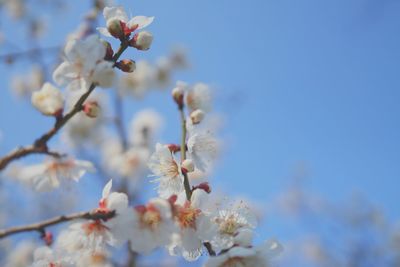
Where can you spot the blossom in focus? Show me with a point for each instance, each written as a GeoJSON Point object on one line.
{"type": "Point", "coordinates": [84, 64]}
{"type": "Point", "coordinates": [231, 224]}
{"type": "Point", "coordinates": [118, 23]}
{"type": "Point", "coordinates": [164, 166]}
{"type": "Point", "coordinates": [195, 226]}
{"type": "Point", "coordinates": [49, 100]}
{"type": "Point", "coordinates": [260, 256]}
{"type": "Point", "coordinates": [50, 174]}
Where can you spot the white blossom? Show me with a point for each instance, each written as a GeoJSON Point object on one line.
{"type": "Point", "coordinates": [199, 97]}
{"type": "Point", "coordinates": [203, 149]}
{"type": "Point", "coordinates": [49, 100]}
{"type": "Point", "coordinates": [50, 174]}
{"type": "Point", "coordinates": [144, 127]}
{"type": "Point", "coordinates": [117, 15]}
{"type": "Point", "coordinates": [164, 166]}
{"type": "Point", "coordinates": [84, 64]}
{"type": "Point", "coordinates": [152, 226]}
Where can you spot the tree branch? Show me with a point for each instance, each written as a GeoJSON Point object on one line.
{"type": "Point", "coordinates": [40, 227]}
{"type": "Point", "coordinates": [40, 144]}
{"type": "Point", "coordinates": [186, 183]}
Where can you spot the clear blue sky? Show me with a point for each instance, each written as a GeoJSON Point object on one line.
{"type": "Point", "coordinates": [299, 81]}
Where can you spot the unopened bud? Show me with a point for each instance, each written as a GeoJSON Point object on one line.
{"type": "Point", "coordinates": [187, 166]}
{"type": "Point", "coordinates": [115, 28]}
{"type": "Point", "coordinates": [197, 116]}
{"type": "Point", "coordinates": [109, 51]}
{"type": "Point", "coordinates": [126, 65]}
{"type": "Point", "coordinates": [174, 148]}
{"type": "Point", "coordinates": [177, 94]}
{"type": "Point", "coordinates": [91, 109]}
{"type": "Point", "coordinates": [142, 40]}
{"type": "Point", "coordinates": [47, 238]}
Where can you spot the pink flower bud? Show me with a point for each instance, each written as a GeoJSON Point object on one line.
{"type": "Point", "coordinates": [91, 109]}
{"type": "Point", "coordinates": [187, 166]}
{"type": "Point", "coordinates": [174, 148]}
{"type": "Point", "coordinates": [126, 65]}
{"type": "Point", "coordinates": [115, 28]}
{"type": "Point", "coordinates": [109, 51]}
{"type": "Point", "coordinates": [142, 40]}
{"type": "Point", "coordinates": [197, 116]}
{"type": "Point", "coordinates": [47, 238]}
{"type": "Point", "coordinates": [204, 186]}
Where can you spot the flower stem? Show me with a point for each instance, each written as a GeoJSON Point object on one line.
{"type": "Point", "coordinates": [186, 183]}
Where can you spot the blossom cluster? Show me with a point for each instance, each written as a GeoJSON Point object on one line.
{"type": "Point", "coordinates": [185, 218]}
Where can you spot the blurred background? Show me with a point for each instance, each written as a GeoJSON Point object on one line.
{"type": "Point", "coordinates": [309, 96]}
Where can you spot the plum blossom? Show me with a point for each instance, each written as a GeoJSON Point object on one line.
{"type": "Point", "coordinates": [199, 97]}
{"type": "Point", "coordinates": [152, 226]}
{"type": "Point", "coordinates": [45, 257]}
{"type": "Point", "coordinates": [164, 166]}
{"type": "Point", "coordinates": [84, 64]}
{"type": "Point", "coordinates": [195, 226]}
{"type": "Point", "coordinates": [51, 173]}
{"type": "Point", "coordinates": [49, 100]}
{"type": "Point", "coordinates": [260, 256]}
{"type": "Point", "coordinates": [144, 127]}
{"type": "Point", "coordinates": [119, 24]}
{"type": "Point", "coordinates": [233, 223]}
{"type": "Point", "coordinates": [203, 149]}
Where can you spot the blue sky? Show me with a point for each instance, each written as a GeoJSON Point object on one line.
{"type": "Point", "coordinates": [300, 82]}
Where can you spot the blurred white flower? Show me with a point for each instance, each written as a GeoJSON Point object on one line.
{"type": "Point", "coordinates": [145, 126]}
{"type": "Point", "coordinates": [49, 100]}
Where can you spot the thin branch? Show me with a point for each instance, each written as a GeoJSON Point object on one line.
{"type": "Point", "coordinates": [186, 183]}
{"type": "Point", "coordinates": [40, 145]}
{"type": "Point", "coordinates": [119, 121]}
{"type": "Point", "coordinates": [40, 226]}
{"type": "Point", "coordinates": [28, 53]}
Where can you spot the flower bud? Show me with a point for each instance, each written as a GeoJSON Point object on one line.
{"type": "Point", "coordinates": [174, 148]}
{"type": "Point", "coordinates": [187, 166]}
{"type": "Point", "coordinates": [142, 40]}
{"type": "Point", "coordinates": [47, 238]}
{"type": "Point", "coordinates": [203, 186]}
{"type": "Point", "coordinates": [197, 116]}
{"type": "Point", "coordinates": [126, 65]}
{"type": "Point", "coordinates": [91, 109]}
{"type": "Point", "coordinates": [115, 28]}
{"type": "Point", "coordinates": [177, 94]}
{"type": "Point", "coordinates": [49, 100]}
{"type": "Point", "coordinates": [109, 51]}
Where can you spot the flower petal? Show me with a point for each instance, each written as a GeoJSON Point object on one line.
{"type": "Point", "coordinates": [140, 21]}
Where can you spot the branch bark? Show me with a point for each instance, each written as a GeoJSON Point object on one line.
{"type": "Point", "coordinates": [40, 226]}
{"type": "Point", "coordinates": [40, 145]}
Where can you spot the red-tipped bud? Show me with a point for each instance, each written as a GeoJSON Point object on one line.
{"type": "Point", "coordinates": [91, 109]}
{"type": "Point", "coordinates": [126, 65]}
{"type": "Point", "coordinates": [141, 40]}
{"type": "Point", "coordinates": [204, 186]}
{"type": "Point", "coordinates": [47, 238]}
{"type": "Point", "coordinates": [174, 148]}
{"type": "Point", "coordinates": [115, 28]}
{"type": "Point", "coordinates": [187, 166]}
{"type": "Point", "coordinates": [197, 116]}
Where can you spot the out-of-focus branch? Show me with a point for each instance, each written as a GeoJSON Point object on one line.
{"type": "Point", "coordinates": [119, 121]}
{"type": "Point", "coordinates": [28, 53]}
{"type": "Point", "coordinates": [40, 145]}
{"type": "Point", "coordinates": [41, 226]}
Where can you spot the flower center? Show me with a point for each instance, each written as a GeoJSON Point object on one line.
{"type": "Point", "coordinates": [187, 216]}
{"type": "Point", "coordinates": [228, 225]}
{"type": "Point", "coordinates": [150, 217]}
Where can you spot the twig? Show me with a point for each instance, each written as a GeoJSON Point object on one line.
{"type": "Point", "coordinates": [119, 121]}
{"type": "Point", "coordinates": [40, 227]}
{"type": "Point", "coordinates": [186, 183]}
{"type": "Point", "coordinates": [40, 145]}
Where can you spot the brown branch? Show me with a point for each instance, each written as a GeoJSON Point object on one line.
{"type": "Point", "coordinates": [40, 145]}
{"type": "Point", "coordinates": [186, 183]}
{"type": "Point", "coordinates": [209, 248]}
{"type": "Point", "coordinates": [40, 227]}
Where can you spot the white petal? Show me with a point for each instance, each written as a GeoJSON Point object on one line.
{"type": "Point", "coordinates": [118, 12]}
{"type": "Point", "coordinates": [103, 31]}
{"type": "Point", "coordinates": [64, 74]}
{"type": "Point", "coordinates": [107, 189]}
{"type": "Point", "coordinates": [140, 21]}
